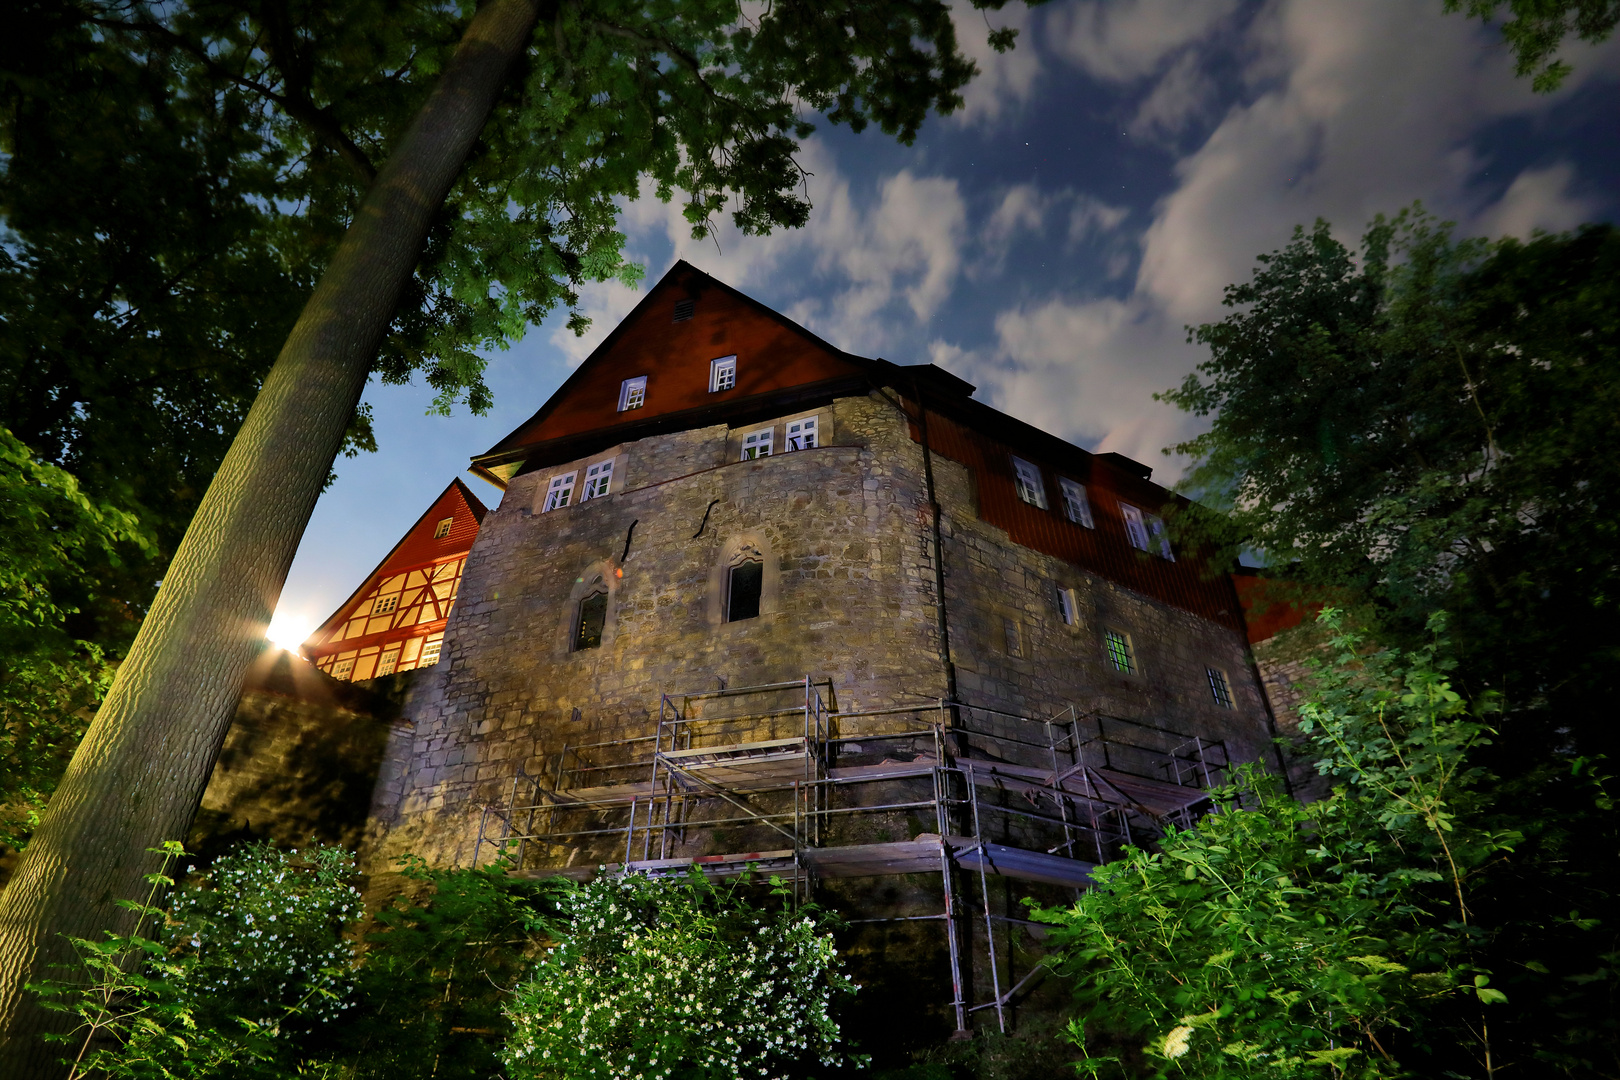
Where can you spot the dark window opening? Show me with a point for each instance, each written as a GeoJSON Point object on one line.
{"type": "Point", "coordinates": [592, 616]}
{"type": "Point", "coordinates": [684, 309]}
{"type": "Point", "coordinates": [742, 599]}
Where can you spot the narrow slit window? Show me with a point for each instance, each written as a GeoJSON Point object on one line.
{"type": "Point", "coordinates": [560, 492]}
{"type": "Point", "coordinates": [592, 617]}
{"type": "Point", "coordinates": [1135, 528]}
{"type": "Point", "coordinates": [1076, 507]}
{"type": "Point", "coordinates": [722, 374]}
{"type": "Point", "coordinates": [1219, 688]}
{"type": "Point", "coordinates": [598, 479]}
{"type": "Point", "coordinates": [385, 604]}
{"type": "Point", "coordinates": [684, 310]}
{"type": "Point", "coordinates": [743, 591]}
{"type": "Point", "coordinates": [1118, 647]}
{"type": "Point", "coordinates": [442, 529]}
{"type": "Point", "coordinates": [801, 434]}
{"type": "Point", "coordinates": [1028, 479]}
{"type": "Point", "coordinates": [633, 393]}
{"type": "Point", "coordinates": [757, 444]}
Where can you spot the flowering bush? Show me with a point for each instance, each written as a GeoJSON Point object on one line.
{"type": "Point", "coordinates": [264, 932]}
{"type": "Point", "coordinates": [664, 978]}
{"type": "Point", "coordinates": [245, 959]}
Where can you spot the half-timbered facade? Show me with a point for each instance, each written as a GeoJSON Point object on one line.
{"type": "Point", "coordinates": [395, 620]}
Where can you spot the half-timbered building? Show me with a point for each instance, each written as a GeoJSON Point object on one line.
{"type": "Point", "coordinates": [395, 620]}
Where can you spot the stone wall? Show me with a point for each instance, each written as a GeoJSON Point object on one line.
{"type": "Point", "coordinates": [300, 762]}
{"type": "Point", "coordinates": [845, 534]}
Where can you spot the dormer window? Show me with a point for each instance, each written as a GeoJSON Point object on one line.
{"type": "Point", "coordinates": [1028, 480]}
{"type": "Point", "coordinates": [722, 374]}
{"type": "Point", "coordinates": [684, 310]}
{"type": "Point", "coordinates": [442, 529]}
{"type": "Point", "coordinates": [1076, 507]}
{"type": "Point", "coordinates": [633, 393]}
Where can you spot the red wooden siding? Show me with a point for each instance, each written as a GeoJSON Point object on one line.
{"type": "Point", "coordinates": [1104, 550]}
{"type": "Point", "coordinates": [772, 354]}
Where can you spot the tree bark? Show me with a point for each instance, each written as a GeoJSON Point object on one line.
{"type": "Point", "coordinates": [138, 776]}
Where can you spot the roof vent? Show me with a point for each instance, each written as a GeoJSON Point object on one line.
{"type": "Point", "coordinates": [684, 309]}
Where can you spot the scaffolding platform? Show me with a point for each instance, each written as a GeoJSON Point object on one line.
{"type": "Point", "coordinates": [1042, 800]}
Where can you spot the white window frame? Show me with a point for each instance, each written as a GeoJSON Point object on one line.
{"type": "Point", "coordinates": [598, 480]}
{"type": "Point", "coordinates": [1155, 528]}
{"type": "Point", "coordinates": [432, 649]}
{"type": "Point", "coordinates": [343, 669]}
{"type": "Point", "coordinates": [1076, 507]}
{"type": "Point", "coordinates": [1135, 528]}
{"type": "Point", "coordinates": [1027, 479]}
{"type": "Point", "coordinates": [757, 444]}
{"type": "Point", "coordinates": [385, 605]}
{"type": "Point", "coordinates": [633, 393]}
{"type": "Point", "coordinates": [388, 662]}
{"type": "Point", "coordinates": [722, 373]}
{"type": "Point", "coordinates": [1068, 606]}
{"type": "Point", "coordinates": [560, 492]}
{"type": "Point", "coordinates": [442, 529]}
{"type": "Point", "coordinates": [802, 434]}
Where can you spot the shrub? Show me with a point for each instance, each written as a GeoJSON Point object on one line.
{"type": "Point", "coordinates": [664, 978]}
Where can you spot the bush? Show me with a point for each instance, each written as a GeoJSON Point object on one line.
{"type": "Point", "coordinates": [664, 978]}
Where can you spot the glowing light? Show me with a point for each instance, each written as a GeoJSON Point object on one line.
{"type": "Point", "coordinates": [288, 629]}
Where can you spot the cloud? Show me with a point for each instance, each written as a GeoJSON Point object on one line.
{"type": "Point", "coordinates": [1352, 110]}
{"type": "Point", "coordinates": [1538, 199]}
{"type": "Point", "coordinates": [1006, 80]}
{"type": "Point", "coordinates": [1092, 217]}
{"type": "Point", "coordinates": [1184, 94]}
{"type": "Point", "coordinates": [1121, 41]}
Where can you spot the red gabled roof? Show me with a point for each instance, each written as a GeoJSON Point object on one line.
{"type": "Point", "coordinates": [773, 354]}
{"type": "Point", "coordinates": [417, 547]}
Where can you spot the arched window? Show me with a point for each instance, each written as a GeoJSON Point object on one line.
{"type": "Point", "coordinates": [743, 590]}
{"type": "Point", "coordinates": [592, 617]}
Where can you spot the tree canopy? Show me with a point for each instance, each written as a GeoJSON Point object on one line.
{"type": "Point", "coordinates": [1427, 421]}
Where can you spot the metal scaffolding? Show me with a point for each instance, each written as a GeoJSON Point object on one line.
{"type": "Point", "coordinates": [785, 784]}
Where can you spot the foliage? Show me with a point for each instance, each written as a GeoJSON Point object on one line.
{"type": "Point", "coordinates": [667, 978]}
{"type": "Point", "coordinates": [437, 972]}
{"type": "Point", "coordinates": [52, 536]}
{"type": "Point", "coordinates": [1538, 28]}
{"type": "Point", "coordinates": [248, 958]}
{"type": "Point", "coordinates": [1425, 424]}
{"type": "Point", "coordinates": [1284, 939]}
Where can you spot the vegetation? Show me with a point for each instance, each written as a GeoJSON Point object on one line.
{"type": "Point", "coordinates": [1419, 427]}
{"type": "Point", "coordinates": [251, 969]}
{"type": "Point", "coordinates": [664, 978]}
{"type": "Point", "coordinates": [55, 543]}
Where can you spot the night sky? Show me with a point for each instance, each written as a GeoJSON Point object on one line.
{"type": "Point", "coordinates": [1051, 241]}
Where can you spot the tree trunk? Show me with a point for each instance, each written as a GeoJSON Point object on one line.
{"type": "Point", "coordinates": [139, 774]}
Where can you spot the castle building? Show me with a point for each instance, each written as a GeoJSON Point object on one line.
{"type": "Point", "coordinates": [395, 620]}
{"type": "Point", "coordinates": [749, 600]}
